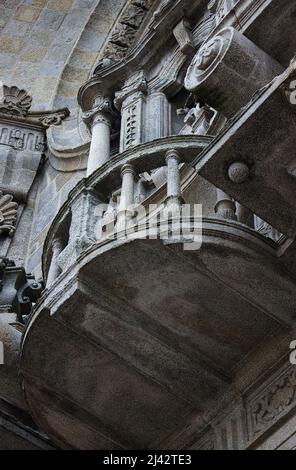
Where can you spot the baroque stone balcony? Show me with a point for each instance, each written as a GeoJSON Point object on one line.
{"type": "Point", "coordinates": [129, 341]}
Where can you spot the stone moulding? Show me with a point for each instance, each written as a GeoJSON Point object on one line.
{"type": "Point", "coordinates": [42, 119]}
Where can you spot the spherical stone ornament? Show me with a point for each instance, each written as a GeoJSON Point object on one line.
{"type": "Point", "coordinates": [238, 172]}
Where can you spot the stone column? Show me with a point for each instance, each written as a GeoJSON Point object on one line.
{"type": "Point", "coordinates": [54, 269]}
{"type": "Point", "coordinates": [125, 212]}
{"type": "Point", "coordinates": [99, 118]}
{"type": "Point", "coordinates": [173, 199]}
{"type": "Point", "coordinates": [225, 206]}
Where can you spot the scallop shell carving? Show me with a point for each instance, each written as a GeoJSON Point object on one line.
{"type": "Point", "coordinates": [15, 101]}
{"type": "Point", "coordinates": [8, 212]}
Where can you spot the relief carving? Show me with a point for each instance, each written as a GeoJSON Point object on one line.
{"type": "Point", "coordinates": [220, 8]}
{"type": "Point", "coordinates": [14, 101]}
{"type": "Point", "coordinates": [275, 402]}
{"type": "Point", "coordinates": [101, 112]}
{"type": "Point", "coordinates": [133, 17]}
{"type": "Point", "coordinates": [22, 139]}
{"type": "Point", "coordinates": [130, 137]}
{"type": "Point", "coordinates": [137, 83]}
{"type": "Point", "coordinates": [205, 60]}
{"type": "Point", "coordinates": [8, 212]}
{"type": "Point", "coordinates": [123, 36]}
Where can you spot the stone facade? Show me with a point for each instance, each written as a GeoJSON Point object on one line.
{"type": "Point", "coordinates": [115, 118]}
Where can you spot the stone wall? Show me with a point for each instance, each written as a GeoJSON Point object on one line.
{"type": "Point", "coordinates": [40, 40]}
{"type": "Point", "coordinates": [53, 190]}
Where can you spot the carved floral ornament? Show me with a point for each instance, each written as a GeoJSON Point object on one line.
{"type": "Point", "coordinates": [8, 212]}
{"type": "Point", "coordinates": [14, 101]}
{"type": "Point", "coordinates": [274, 403]}
{"type": "Point", "coordinates": [15, 104]}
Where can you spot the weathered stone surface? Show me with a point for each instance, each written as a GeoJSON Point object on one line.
{"type": "Point", "coordinates": [162, 346]}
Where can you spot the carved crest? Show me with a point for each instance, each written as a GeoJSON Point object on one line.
{"type": "Point", "coordinates": [15, 101]}
{"type": "Point", "coordinates": [8, 211]}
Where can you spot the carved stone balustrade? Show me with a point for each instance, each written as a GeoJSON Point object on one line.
{"type": "Point", "coordinates": [127, 196]}
{"type": "Point", "coordinates": [81, 216]}
{"type": "Point", "coordinates": [173, 199]}
{"type": "Point", "coordinates": [54, 269]}
{"type": "Point", "coordinates": [225, 206]}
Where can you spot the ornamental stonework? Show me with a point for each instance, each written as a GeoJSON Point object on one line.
{"type": "Point", "coordinates": [14, 101]}
{"type": "Point", "coordinates": [273, 403]}
{"type": "Point", "coordinates": [8, 214]}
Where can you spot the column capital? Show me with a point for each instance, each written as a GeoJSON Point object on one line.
{"type": "Point", "coordinates": [136, 84]}
{"type": "Point", "coordinates": [102, 111]}
{"type": "Point", "coordinates": [172, 154]}
{"type": "Point", "coordinates": [127, 169]}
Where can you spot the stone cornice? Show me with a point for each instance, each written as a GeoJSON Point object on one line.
{"type": "Point", "coordinates": [118, 71]}
{"type": "Point", "coordinates": [37, 119]}
{"type": "Point", "coordinates": [15, 105]}
{"type": "Point", "coordinates": [156, 33]}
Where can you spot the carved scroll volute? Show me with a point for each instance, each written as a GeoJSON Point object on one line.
{"type": "Point", "coordinates": [8, 213]}
{"type": "Point", "coordinates": [227, 70]}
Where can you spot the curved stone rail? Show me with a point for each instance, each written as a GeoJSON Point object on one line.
{"type": "Point", "coordinates": [101, 183]}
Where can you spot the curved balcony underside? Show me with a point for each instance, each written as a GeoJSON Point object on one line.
{"type": "Point", "coordinates": [132, 342]}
